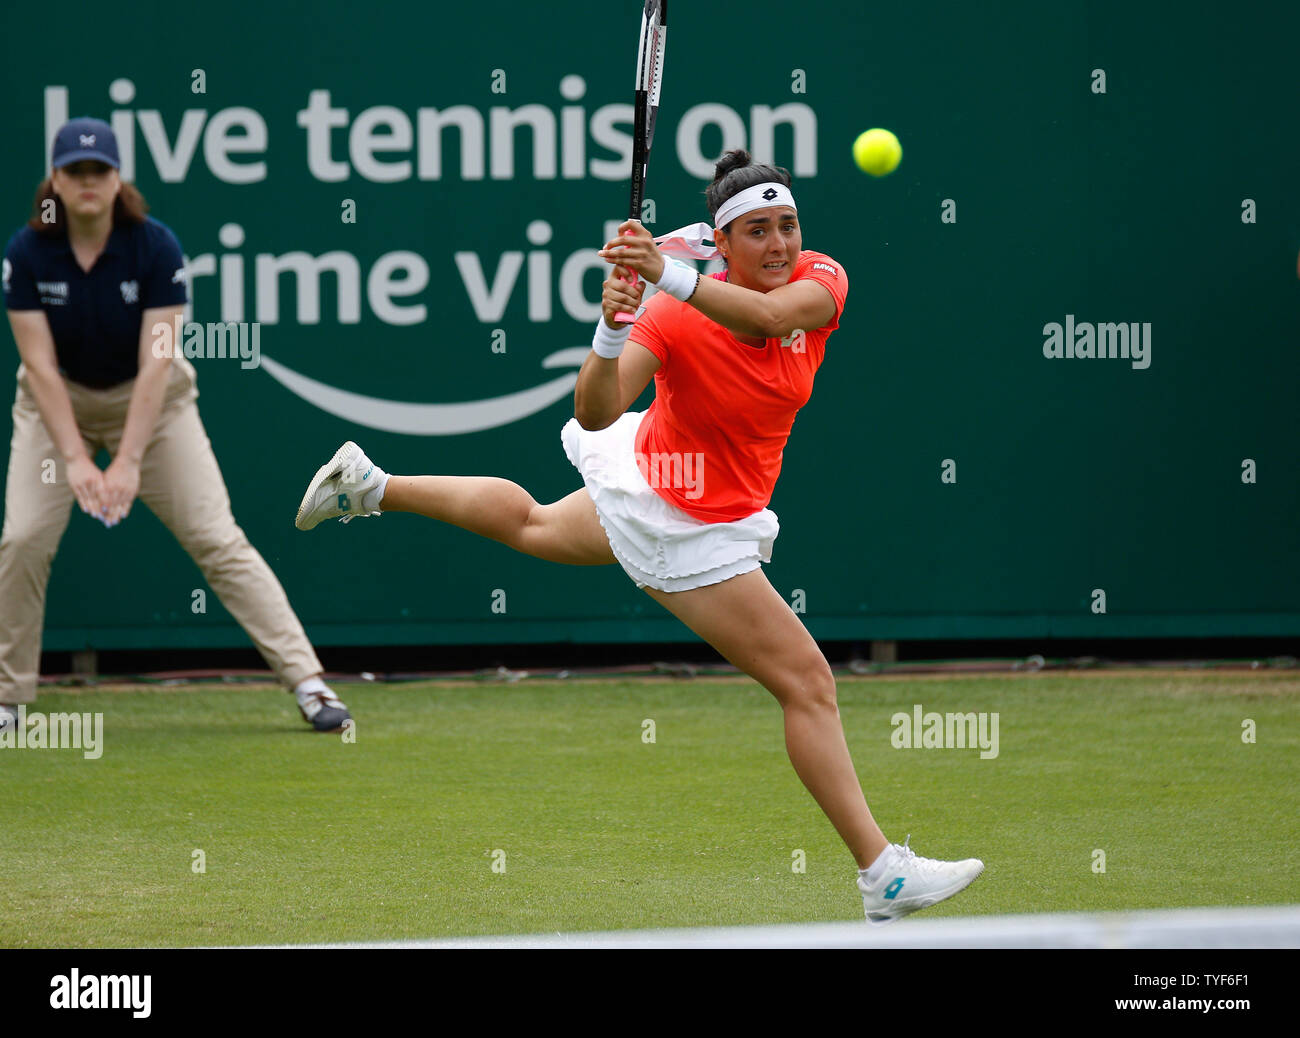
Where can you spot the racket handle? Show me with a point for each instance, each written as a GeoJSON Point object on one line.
{"type": "Point", "coordinates": [621, 317]}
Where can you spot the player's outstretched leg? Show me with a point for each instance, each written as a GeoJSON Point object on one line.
{"type": "Point", "coordinates": [350, 485]}
{"type": "Point", "coordinates": [753, 627]}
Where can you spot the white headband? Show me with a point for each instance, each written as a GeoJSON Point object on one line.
{"type": "Point", "coordinates": [760, 196]}
{"type": "Point", "coordinates": [688, 241]}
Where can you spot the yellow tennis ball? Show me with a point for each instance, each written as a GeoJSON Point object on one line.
{"type": "Point", "coordinates": [877, 152]}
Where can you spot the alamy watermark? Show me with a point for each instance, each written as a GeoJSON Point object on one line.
{"type": "Point", "coordinates": [1107, 341]}
{"type": "Point", "coordinates": [935, 731]}
{"type": "Point", "coordinates": [673, 471]}
{"type": "Point", "coordinates": [130, 991]}
{"type": "Point", "coordinates": [38, 731]}
{"type": "Point", "coordinates": [216, 340]}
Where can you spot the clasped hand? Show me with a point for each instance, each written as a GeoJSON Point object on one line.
{"type": "Point", "coordinates": [107, 495]}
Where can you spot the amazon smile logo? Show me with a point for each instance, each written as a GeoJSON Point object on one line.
{"type": "Point", "coordinates": [442, 419]}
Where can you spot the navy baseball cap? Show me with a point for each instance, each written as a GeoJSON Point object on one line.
{"type": "Point", "coordinates": [85, 138]}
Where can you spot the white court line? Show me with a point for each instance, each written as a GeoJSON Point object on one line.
{"type": "Point", "coordinates": [1277, 927]}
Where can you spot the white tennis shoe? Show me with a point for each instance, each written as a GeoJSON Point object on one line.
{"type": "Point", "coordinates": [907, 882]}
{"type": "Point", "coordinates": [340, 488]}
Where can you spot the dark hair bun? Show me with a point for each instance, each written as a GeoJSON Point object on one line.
{"type": "Point", "coordinates": [737, 158]}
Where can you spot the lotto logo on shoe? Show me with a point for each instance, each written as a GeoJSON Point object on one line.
{"type": "Point", "coordinates": [892, 890]}
{"type": "Point", "coordinates": [344, 503]}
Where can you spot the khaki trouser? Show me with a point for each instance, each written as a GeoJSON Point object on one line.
{"type": "Point", "coordinates": [179, 482]}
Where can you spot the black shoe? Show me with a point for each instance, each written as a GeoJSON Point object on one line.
{"type": "Point", "coordinates": [324, 711]}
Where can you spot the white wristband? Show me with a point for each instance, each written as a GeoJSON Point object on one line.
{"type": "Point", "coordinates": [608, 342]}
{"type": "Point", "coordinates": [679, 279]}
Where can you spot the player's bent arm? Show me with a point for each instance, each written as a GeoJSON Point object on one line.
{"type": "Point", "coordinates": [608, 387]}
{"type": "Point", "coordinates": [35, 342]}
{"type": "Point", "coordinates": [804, 304]}
{"type": "Point", "coordinates": [150, 387]}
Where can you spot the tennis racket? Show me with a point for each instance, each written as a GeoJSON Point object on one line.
{"type": "Point", "coordinates": [649, 79]}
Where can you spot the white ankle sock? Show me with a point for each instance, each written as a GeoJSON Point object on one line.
{"type": "Point", "coordinates": [370, 500]}
{"type": "Point", "coordinates": [877, 868]}
{"type": "Point", "coordinates": [310, 685]}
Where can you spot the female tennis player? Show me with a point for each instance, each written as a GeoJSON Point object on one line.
{"type": "Point", "coordinates": [86, 283]}
{"type": "Point", "coordinates": [678, 495]}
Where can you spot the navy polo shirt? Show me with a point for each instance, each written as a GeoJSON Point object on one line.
{"type": "Point", "coordinates": [95, 317]}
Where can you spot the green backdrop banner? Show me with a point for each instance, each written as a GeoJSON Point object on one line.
{"type": "Point", "coordinates": [402, 206]}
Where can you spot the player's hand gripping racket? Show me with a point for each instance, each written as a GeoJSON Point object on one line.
{"type": "Point", "coordinates": [649, 78]}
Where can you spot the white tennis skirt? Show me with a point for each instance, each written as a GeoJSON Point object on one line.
{"type": "Point", "coordinates": [657, 544]}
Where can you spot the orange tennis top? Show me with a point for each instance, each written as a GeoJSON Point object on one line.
{"type": "Point", "coordinates": [712, 441]}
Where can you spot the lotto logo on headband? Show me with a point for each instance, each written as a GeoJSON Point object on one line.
{"type": "Point", "coordinates": [760, 196]}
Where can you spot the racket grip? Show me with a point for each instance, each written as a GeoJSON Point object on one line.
{"type": "Point", "coordinates": [621, 317]}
